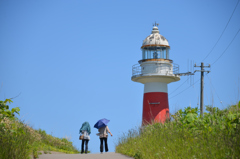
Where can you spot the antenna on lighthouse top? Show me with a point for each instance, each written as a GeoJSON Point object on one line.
{"type": "Point", "coordinates": [155, 24]}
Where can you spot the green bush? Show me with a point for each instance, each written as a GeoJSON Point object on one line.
{"type": "Point", "coordinates": [50, 143]}
{"type": "Point", "coordinates": [16, 137]}
{"type": "Point", "coordinates": [188, 135]}
{"type": "Point", "coordinates": [19, 141]}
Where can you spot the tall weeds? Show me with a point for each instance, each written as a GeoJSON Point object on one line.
{"type": "Point", "coordinates": [50, 143]}
{"type": "Point", "coordinates": [16, 139]}
{"type": "Point", "coordinates": [216, 135]}
{"type": "Point", "coordinates": [19, 141]}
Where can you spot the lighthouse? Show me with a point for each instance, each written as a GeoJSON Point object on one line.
{"type": "Point", "coordinates": [155, 70]}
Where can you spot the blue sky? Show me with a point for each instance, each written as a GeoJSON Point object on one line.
{"type": "Point", "coordinates": [71, 61]}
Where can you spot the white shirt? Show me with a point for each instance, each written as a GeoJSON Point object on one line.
{"type": "Point", "coordinates": [86, 136]}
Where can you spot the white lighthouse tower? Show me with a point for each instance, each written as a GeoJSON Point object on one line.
{"type": "Point", "coordinates": [155, 70]}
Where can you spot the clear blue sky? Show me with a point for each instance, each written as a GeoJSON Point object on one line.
{"type": "Point", "coordinates": [71, 61]}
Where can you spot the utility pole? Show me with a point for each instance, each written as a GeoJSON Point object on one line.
{"type": "Point", "coordinates": [202, 84]}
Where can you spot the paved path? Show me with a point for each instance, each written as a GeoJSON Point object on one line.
{"type": "Point", "coordinates": [109, 155]}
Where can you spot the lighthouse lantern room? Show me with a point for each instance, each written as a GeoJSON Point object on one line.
{"type": "Point", "coordinates": [155, 70]}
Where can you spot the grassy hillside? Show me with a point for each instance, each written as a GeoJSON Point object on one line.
{"type": "Point", "coordinates": [19, 141]}
{"type": "Point", "coordinates": [187, 135]}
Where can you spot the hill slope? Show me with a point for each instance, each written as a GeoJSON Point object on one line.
{"type": "Point", "coordinates": [19, 140]}
{"type": "Point", "coordinates": [188, 135]}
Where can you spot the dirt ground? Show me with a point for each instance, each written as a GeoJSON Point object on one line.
{"type": "Point", "coordinates": [109, 155]}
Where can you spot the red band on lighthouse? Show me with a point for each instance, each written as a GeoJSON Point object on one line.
{"type": "Point", "coordinates": [155, 107]}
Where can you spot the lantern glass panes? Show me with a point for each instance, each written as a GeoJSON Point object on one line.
{"type": "Point", "coordinates": [155, 53]}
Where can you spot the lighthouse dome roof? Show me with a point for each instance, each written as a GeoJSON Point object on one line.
{"type": "Point", "coordinates": [155, 39]}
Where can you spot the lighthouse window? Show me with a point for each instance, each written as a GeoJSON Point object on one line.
{"type": "Point", "coordinates": [148, 54]}
{"type": "Point", "coordinates": [143, 54]}
{"type": "Point", "coordinates": [167, 53]}
{"type": "Point", "coordinates": [155, 55]}
{"type": "Point", "coordinates": [164, 53]}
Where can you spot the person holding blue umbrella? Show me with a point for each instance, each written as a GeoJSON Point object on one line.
{"type": "Point", "coordinates": [103, 130]}
{"type": "Point", "coordinates": [86, 131]}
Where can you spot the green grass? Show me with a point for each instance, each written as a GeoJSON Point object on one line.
{"type": "Point", "coordinates": [50, 143]}
{"type": "Point", "coordinates": [15, 139]}
{"type": "Point", "coordinates": [19, 141]}
{"type": "Point", "coordinates": [216, 135]}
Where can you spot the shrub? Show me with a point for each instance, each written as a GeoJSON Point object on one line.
{"type": "Point", "coordinates": [188, 135]}
{"type": "Point", "coordinates": [18, 140]}
{"type": "Point", "coordinates": [16, 137]}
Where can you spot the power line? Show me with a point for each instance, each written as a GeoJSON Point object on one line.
{"type": "Point", "coordinates": [222, 31]}
{"type": "Point", "coordinates": [185, 89]}
{"type": "Point", "coordinates": [214, 90]}
{"type": "Point", "coordinates": [212, 50]}
{"type": "Point", "coordinates": [179, 86]}
{"type": "Point", "coordinates": [227, 47]}
{"type": "Point", "coordinates": [211, 64]}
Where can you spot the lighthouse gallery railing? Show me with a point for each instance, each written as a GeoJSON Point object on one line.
{"type": "Point", "coordinates": [137, 70]}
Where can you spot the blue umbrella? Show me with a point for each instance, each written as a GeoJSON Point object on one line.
{"type": "Point", "coordinates": [101, 123]}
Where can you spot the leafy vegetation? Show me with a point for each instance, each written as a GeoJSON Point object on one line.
{"type": "Point", "coordinates": [49, 143]}
{"type": "Point", "coordinates": [18, 140]}
{"type": "Point", "coordinates": [188, 135]}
